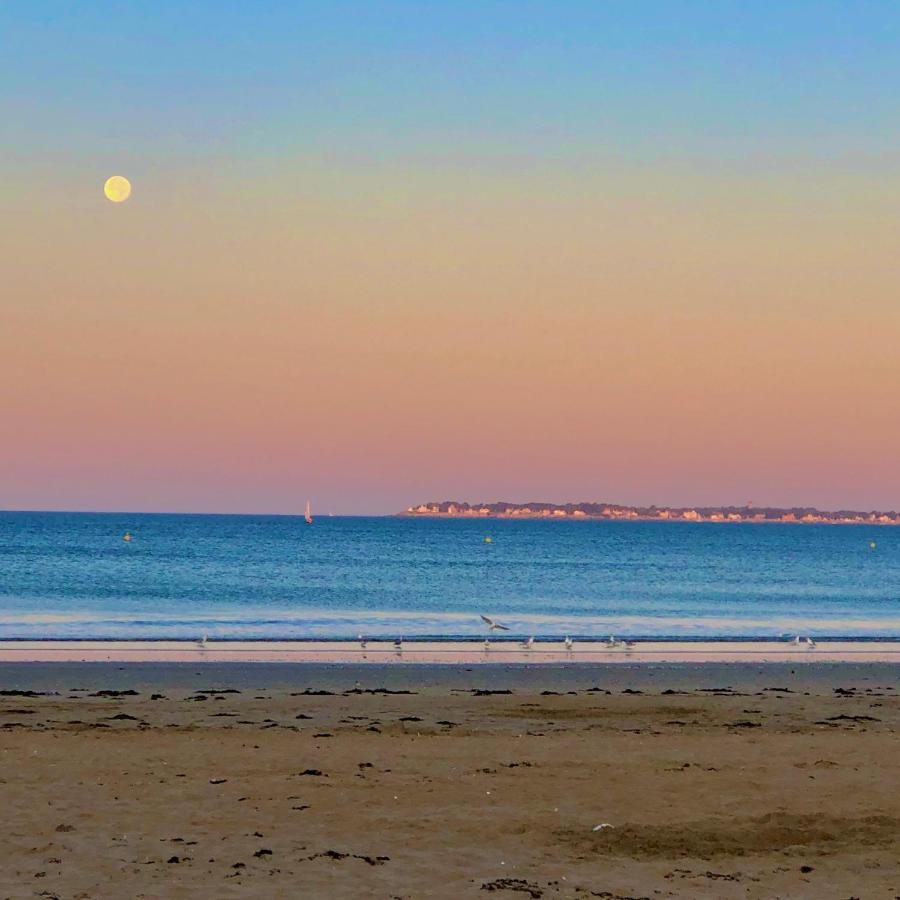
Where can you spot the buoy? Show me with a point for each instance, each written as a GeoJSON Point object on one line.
{"type": "Point", "coordinates": [126, 537]}
{"type": "Point", "coordinates": [489, 540]}
{"type": "Point", "coordinates": [872, 545]}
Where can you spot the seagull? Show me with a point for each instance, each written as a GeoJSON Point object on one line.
{"type": "Point", "coordinates": [628, 644]}
{"type": "Point", "coordinates": [202, 641]}
{"type": "Point", "coordinates": [810, 643]}
{"type": "Point", "coordinates": [797, 640]}
{"type": "Point", "coordinates": [487, 644]}
{"type": "Point", "coordinates": [529, 643]}
{"type": "Point", "coordinates": [612, 641]}
{"type": "Point", "coordinates": [602, 826]}
{"type": "Point", "coordinates": [362, 642]}
{"type": "Point", "coordinates": [568, 643]}
{"type": "Point", "coordinates": [398, 643]}
{"type": "Point", "coordinates": [493, 624]}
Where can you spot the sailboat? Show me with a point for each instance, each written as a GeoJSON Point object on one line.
{"type": "Point", "coordinates": [308, 515]}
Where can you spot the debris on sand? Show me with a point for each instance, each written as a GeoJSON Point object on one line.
{"type": "Point", "coordinates": [17, 693]}
{"type": "Point", "coordinates": [381, 690]}
{"type": "Point", "coordinates": [337, 855]}
{"type": "Point", "coordinates": [514, 884]}
{"type": "Point", "coordinates": [112, 693]}
{"type": "Point", "coordinates": [845, 718]}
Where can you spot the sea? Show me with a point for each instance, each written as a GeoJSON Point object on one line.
{"type": "Point", "coordinates": [254, 577]}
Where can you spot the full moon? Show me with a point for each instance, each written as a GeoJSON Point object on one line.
{"type": "Point", "coordinates": [117, 188]}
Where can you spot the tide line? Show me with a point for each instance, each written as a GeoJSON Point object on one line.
{"type": "Point", "coordinates": [451, 653]}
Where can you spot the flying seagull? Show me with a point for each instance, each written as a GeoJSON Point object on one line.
{"type": "Point", "coordinates": [493, 624]}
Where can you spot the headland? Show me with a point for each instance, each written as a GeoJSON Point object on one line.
{"type": "Point", "coordinates": [806, 515]}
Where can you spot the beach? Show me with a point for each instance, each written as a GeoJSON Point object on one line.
{"type": "Point", "coordinates": [370, 779]}
{"type": "Point", "coordinates": [448, 451]}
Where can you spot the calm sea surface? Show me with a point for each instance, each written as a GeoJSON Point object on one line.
{"type": "Point", "coordinates": [72, 575]}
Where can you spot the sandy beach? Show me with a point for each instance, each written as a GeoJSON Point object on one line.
{"type": "Point", "coordinates": [717, 780]}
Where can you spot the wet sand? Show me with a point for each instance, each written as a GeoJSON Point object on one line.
{"type": "Point", "coordinates": [271, 780]}
{"type": "Point", "coordinates": [450, 652]}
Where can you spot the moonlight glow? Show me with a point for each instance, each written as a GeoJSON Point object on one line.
{"type": "Point", "coordinates": [117, 188]}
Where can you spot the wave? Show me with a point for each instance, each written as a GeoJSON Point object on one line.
{"type": "Point", "coordinates": [321, 624]}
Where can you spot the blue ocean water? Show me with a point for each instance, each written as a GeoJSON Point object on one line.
{"type": "Point", "coordinates": [66, 575]}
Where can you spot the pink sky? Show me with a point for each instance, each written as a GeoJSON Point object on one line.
{"type": "Point", "coordinates": [375, 344]}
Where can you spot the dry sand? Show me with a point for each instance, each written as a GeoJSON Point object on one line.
{"type": "Point", "coordinates": [220, 781]}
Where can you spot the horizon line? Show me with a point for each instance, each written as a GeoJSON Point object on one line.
{"type": "Point", "coordinates": [409, 510]}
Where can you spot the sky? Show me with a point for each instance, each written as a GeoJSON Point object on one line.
{"type": "Point", "coordinates": [388, 252]}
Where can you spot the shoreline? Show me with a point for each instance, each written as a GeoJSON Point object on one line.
{"type": "Point", "coordinates": [449, 652]}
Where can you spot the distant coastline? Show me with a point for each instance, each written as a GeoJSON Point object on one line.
{"type": "Point", "coordinates": [806, 515]}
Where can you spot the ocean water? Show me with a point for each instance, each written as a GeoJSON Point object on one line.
{"type": "Point", "coordinates": [68, 575]}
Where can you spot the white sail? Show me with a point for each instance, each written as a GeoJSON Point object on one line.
{"type": "Point", "coordinates": [308, 515]}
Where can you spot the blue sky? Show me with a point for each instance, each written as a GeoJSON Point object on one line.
{"type": "Point", "coordinates": [403, 80]}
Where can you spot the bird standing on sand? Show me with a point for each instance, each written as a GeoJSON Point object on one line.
{"type": "Point", "coordinates": [568, 643]}
{"type": "Point", "coordinates": [398, 643]}
{"type": "Point", "coordinates": [797, 640]}
{"type": "Point", "coordinates": [487, 645]}
{"type": "Point", "coordinates": [529, 643]}
{"type": "Point", "coordinates": [493, 624]}
{"type": "Point", "coordinates": [810, 643]}
{"type": "Point", "coordinates": [362, 642]}
{"type": "Point", "coordinates": [612, 641]}
{"type": "Point", "coordinates": [202, 642]}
